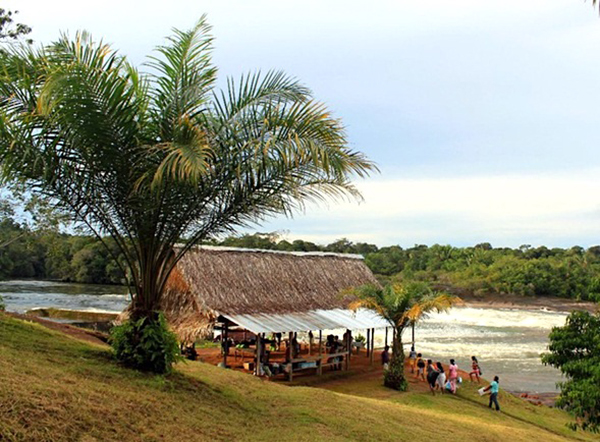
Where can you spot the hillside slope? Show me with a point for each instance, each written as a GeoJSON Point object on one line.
{"type": "Point", "coordinates": [57, 388]}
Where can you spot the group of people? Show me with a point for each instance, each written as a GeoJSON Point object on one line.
{"type": "Point", "coordinates": [438, 379]}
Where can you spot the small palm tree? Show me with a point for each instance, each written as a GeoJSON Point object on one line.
{"type": "Point", "coordinates": [401, 305]}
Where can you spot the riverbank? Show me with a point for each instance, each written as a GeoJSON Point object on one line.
{"type": "Point", "coordinates": [60, 388]}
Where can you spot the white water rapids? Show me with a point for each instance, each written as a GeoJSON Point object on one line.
{"type": "Point", "coordinates": [507, 342]}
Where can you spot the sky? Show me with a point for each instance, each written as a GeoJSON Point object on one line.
{"type": "Point", "coordinates": [481, 115]}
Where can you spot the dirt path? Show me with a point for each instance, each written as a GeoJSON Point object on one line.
{"type": "Point", "coordinates": [377, 374]}
{"type": "Point", "coordinates": [75, 332]}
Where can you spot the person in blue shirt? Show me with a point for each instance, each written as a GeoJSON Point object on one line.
{"type": "Point", "coordinates": [494, 393]}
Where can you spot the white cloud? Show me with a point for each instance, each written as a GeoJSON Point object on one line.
{"type": "Point", "coordinates": [556, 210]}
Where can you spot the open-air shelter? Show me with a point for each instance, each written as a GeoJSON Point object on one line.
{"type": "Point", "coordinates": [267, 292]}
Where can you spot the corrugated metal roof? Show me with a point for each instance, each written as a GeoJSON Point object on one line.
{"type": "Point", "coordinates": [310, 320]}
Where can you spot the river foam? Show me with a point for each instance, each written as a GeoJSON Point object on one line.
{"type": "Point", "coordinates": [507, 342]}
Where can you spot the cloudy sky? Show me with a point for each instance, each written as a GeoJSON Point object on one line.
{"type": "Point", "coordinates": [482, 115]}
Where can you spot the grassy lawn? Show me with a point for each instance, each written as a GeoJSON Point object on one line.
{"type": "Point", "coordinates": [57, 388]}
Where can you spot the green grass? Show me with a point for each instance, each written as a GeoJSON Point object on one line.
{"type": "Point", "coordinates": [56, 388]}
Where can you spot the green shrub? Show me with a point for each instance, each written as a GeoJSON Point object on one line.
{"type": "Point", "coordinates": [394, 377]}
{"type": "Point", "coordinates": [2, 305]}
{"type": "Point", "coordinates": [575, 350]}
{"type": "Point", "coordinates": [146, 344]}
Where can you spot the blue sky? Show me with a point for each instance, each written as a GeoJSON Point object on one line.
{"type": "Point", "coordinates": [482, 116]}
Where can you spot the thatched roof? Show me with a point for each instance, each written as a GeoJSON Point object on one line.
{"type": "Point", "coordinates": [212, 281]}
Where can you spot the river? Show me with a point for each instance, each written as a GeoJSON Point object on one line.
{"type": "Point", "coordinates": [507, 342]}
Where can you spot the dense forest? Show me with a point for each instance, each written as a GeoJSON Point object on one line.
{"type": "Point", "coordinates": [478, 270]}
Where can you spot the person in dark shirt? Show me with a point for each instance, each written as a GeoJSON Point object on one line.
{"type": "Point", "coordinates": [432, 376]}
{"type": "Point", "coordinates": [385, 357]}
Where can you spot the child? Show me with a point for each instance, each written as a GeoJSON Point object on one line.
{"type": "Point", "coordinates": [494, 390]}
{"type": "Point", "coordinates": [412, 356]}
{"type": "Point", "coordinates": [420, 367]}
{"type": "Point", "coordinates": [476, 370]}
{"type": "Point", "coordinates": [385, 358]}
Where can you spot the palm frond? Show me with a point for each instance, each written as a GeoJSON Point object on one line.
{"type": "Point", "coordinates": [183, 78]}
{"type": "Point", "coordinates": [439, 303]}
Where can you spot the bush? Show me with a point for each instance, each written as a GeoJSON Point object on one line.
{"type": "Point", "coordinates": [394, 376]}
{"type": "Point", "coordinates": [575, 351]}
{"type": "Point", "coordinates": [2, 305]}
{"type": "Point", "coordinates": [146, 344]}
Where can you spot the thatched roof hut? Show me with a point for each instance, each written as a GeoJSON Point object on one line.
{"type": "Point", "coordinates": [264, 291]}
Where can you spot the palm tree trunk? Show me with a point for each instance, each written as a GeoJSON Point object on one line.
{"type": "Point", "coordinates": [394, 376]}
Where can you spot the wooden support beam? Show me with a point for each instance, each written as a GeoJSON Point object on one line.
{"type": "Point", "coordinates": [372, 345]}
{"type": "Point", "coordinates": [259, 351]}
{"type": "Point", "coordinates": [349, 343]}
{"type": "Point", "coordinates": [348, 349]}
{"type": "Point", "coordinates": [320, 369]}
{"type": "Point", "coordinates": [386, 336]}
{"type": "Point", "coordinates": [288, 354]}
{"type": "Point", "coordinates": [413, 334]}
{"type": "Point", "coordinates": [226, 344]}
{"type": "Point", "coordinates": [368, 341]}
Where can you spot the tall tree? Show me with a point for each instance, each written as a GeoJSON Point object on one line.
{"type": "Point", "coordinates": [150, 158]}
{"type": "Point", "coordinates": [401, 305]}
{"type": "Point", "coordinates": [9, 30]}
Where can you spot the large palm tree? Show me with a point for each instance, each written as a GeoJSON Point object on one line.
{"type": "Point", "coordinates": [151, 158]}
{"type": "Point", "coordinates": [401, 305]}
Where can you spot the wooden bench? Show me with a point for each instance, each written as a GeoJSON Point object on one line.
{"type": "Point", "coordinates": [319, 363]}
{"type": "Point", "coordinates": [243, 353]}
{"type": "Point", "coordinates": [343, 354]}
{"type": "Point", "coordinates": [291, 363]}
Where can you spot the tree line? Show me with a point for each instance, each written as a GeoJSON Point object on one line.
{"type": "Point", "coordinates": [478, 270]}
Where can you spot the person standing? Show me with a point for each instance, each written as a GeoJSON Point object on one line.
{"type": "Point", "coordinates": [385, 358]}
{"type": "Point", "coordinates": [494, 393]}
{"type": "Point", "coordinates": [452, 375]}
{"type": "Point", "coordinates": [441, 380]}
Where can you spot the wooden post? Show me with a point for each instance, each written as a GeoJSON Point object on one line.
{"type": "Point", "coordinates": [289, 345]}
{"type": "Point", "coordinates": [320, 369]}
{"type": "Point", "coordinates": [368, 340]}
{"type": "Point", "coordinates": [372, 345]}
{"type": "Point", "coordinates": [413, 334]}
{"type": "Point", "coordinates": [320, 342]}
{"type": "Point", "coordinates": [349, 343]}
{"type": "Point", "coordinates": [222, 340]}
{"type": "Point", "coordinates": [386, 336]}
{"type": "Point", "coordinates": [348, 349]}
{"type": "Point", "coordinates": [226, 345]}
{"type": "Point", "coordinates": [259, 345]}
